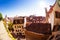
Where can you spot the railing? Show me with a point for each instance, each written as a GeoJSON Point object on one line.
{"type": "Point", "coordinates": [12, 38]}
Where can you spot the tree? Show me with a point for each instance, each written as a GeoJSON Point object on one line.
{"type": "Point", "coordinates": [10, 24]}
{"type": "Point", "coordinates": [1, 17]}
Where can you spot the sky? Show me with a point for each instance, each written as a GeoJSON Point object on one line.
{"type": "Point", "coordinates": [12, 8]}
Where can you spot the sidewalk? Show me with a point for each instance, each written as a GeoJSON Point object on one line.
{"type": "Point", "coordinates": [3, 33]}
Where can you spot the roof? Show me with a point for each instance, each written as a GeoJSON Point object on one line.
{"type": "Point", "coordinates": [39, 27]}
{"type": "Point", "coordinates": [51, 8]}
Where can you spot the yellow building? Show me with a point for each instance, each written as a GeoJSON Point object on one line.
{"type": "Point", "coordinates": [54, 14]}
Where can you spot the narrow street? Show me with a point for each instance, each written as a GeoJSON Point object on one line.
{"type": "Point", "coordinates": [3, 33]}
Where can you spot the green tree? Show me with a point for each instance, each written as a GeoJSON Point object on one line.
{"type": "Point", "coordinates": [1, 17]}
{"type": "Point", "coordinates": [10, 26]}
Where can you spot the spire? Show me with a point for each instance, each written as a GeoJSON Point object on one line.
{"type": "Point", "coordinates": [45, 10]}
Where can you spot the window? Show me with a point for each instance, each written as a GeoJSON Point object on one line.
{"type": "Point", "coordinates": [15, 26]}
{"type": "Point", "coordinates": [20, 30]}
{"type": "Point", "coordinates": [19, 26]}
{"type": "Point", "coordinates": [22, 26]}
{"type": "Point", "coordinates": [22, 33]}
{"type": "Point", "coordinates": [17, 33]}
{"type": "Point", "coordinates": [58, 28]}
{"type": "Point", "coordinates": [16, 30]}
{"type": "Point", "coordinates": [18, 21]}
{"type": "Point", "coordinates": [57, 14]}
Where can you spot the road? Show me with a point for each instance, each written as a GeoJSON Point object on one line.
{"type": "Point", "coordinates": [3, 33]}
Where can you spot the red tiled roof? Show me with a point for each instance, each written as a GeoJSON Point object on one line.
{"type": "Point", "coordinates": [39, 27]}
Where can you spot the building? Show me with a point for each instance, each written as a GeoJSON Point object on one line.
{"type": "Point", "coordinates": [18, 25]}
{"type": "Point", "coordinates": [53, 15]}
{"type": "Point", "coordinates": [36, 19]}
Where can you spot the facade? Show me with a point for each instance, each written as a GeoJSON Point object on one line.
{"type": "Point", "coordinates": [54, 14]}
{"type": "Point", "coordinates": [18, 25]}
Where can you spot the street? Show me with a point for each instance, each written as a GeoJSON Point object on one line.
{"type": "Point", "coordinates": [3, 33]}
